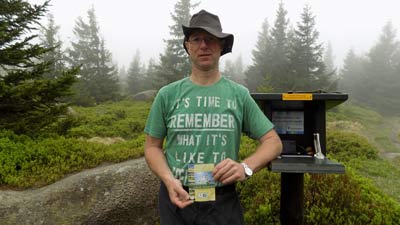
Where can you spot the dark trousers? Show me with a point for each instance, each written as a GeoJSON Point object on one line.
{"type": "Point", "coordinates": [225, 210]}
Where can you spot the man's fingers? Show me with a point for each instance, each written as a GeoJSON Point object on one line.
{"type": "Point", "coordinates": [184, 203]}
{"type": "Point", "coordinates": [180, 197]}
{"type": "Point", "coordinates": [228, 171]}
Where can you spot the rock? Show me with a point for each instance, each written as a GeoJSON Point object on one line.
{"type": "Point", "coordinates": [119, 194]}
{"type": "Point", "coordinates": [106, 140]}
{"type": "Point", "coordinates": [145, 95]}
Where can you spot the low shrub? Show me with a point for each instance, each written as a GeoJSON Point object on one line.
{"type": "Point", "coordinates": [33, 163]}
{"type": "Point", "coordinates": [328, 198]}
{"type": "Point", "coordinates": [347, 199]}
{"type": "Point", "coordinates": [346, 146]}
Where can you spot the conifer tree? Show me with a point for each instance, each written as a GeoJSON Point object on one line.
{"type": "Point", "coordinates": [152, 80]}
{"type": "Point", "coordinates": [329, 59]}
{"type": "Point", "coordinates": [135, 75]}
{"type": "Point", "coordinates": [98, 81]}
{"type": "Point", "coordinates": [234, 70]}
{"type": "Point", "coordinates": [306, 58]}
{"type": "Point", "coordinates": [279, 61]}
{"type": "Point", "coordinates": [50, 39]}
{"type": "Point", "coordinates": [257, 72]}
{"type": "Point", "coordinates": [382, 80]}
{"type": "Point", "coordinates": [351, 75]}
{"type": "Point", "coordinates": [174, 62]}
{"type": "Point", "coordinates": [28, 100]}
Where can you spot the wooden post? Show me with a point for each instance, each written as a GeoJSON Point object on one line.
{"type": "Point", "coordinates": [292, 199]}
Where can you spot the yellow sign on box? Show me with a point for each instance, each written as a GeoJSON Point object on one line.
{"type": "Point", "coordinates": [297, 96]}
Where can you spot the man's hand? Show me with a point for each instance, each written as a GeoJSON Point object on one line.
{"type": "Point", "coordinates": [228, 171]}
{"type": "Point", "coordinates": [177, 194]}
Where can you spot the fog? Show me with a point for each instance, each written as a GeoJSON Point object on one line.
{"type": "Point", "coordinates": [133, 25]}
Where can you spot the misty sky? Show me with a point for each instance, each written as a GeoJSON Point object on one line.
{"type": "Point", "coordinates": [130, 25]}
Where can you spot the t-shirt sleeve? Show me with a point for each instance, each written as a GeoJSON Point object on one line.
{"type": "Point", "coordinates": [156, 125]}
{"type": "Point", "coordinates": [255, 123]}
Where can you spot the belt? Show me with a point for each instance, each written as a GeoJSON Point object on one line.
{"type": "Point", "coordinates": [220, 190]}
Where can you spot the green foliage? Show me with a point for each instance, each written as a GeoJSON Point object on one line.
{"type": "Point", "coordinates": [260, 198]}
{"type": "Point", "coordinates": [31, 163]}
{"type": "Point", "coordinates": [174, 62]}
{"type": "Point", "coordinates": [289, 60]}
{"type": "Point", "coordinates": [329, 199]}
{"type": "Point", "coordinates": [50, 39]}
{"type": "Point", "coordinates": [279, 72]}
{"type": "Point", "coordinates": [347, 146]}
{"type": "Point", "coordinates": [308, 71]}
{"type": "Point", "coordinates": [98, 81]}
{"type": "Point", "coordinates": [373, 78]}
{"type": "Point", "coordinates": [234, 70]}
{"type": "Point", "coordinates": [347, 199]}
{"type": "Point", "coordinates": [28, 100]}
{"type": "Point", "coordinates": [123, 119]}
{"type": "Point", "coordinates": [260, 194]}
{"type": "Point", "coordinates": [135, 75]}
{"type": "Point", "coordinates": [257, 72]}
{"type": "Point", "coordinates": [354, 113]}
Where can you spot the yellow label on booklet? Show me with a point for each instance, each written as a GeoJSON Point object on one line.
{"type": "Point", "coordinates": [201, 182]}
{"type": "Point", "coordinates": [297, 96]}
{"type": "Point", "coordinates": [204, 194]}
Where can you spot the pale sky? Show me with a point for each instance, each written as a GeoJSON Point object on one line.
{"type": "Point", "coordinates": [130, 25]}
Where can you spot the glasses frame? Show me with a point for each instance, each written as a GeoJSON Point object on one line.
{"type": "Point", "coordinates": [209, 40]}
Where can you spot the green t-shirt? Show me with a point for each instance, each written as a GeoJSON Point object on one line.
{"type": "Point", "coordinates": [203, 124]}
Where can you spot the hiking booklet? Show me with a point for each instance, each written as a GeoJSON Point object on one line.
{"type": "Point", "coordinates": [201, 182]}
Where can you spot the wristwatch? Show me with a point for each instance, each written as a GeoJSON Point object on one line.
{"type": "Point", "coordinates": [248, 172]}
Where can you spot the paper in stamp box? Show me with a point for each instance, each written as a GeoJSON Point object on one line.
{"type": "Point", "coordinates": [201, 182]}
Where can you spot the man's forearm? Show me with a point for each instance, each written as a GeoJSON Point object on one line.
{"type": "Point", "coordinates": [157, 162]}
{"type": "Point", "coordinates": [269, 148]}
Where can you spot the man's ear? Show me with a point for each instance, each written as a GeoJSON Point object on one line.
{"type": "Point", "coordinates": [222, 45]}
{"type": "Point", "coordinates": [186, 43]}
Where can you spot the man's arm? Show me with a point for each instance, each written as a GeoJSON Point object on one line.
{"type": "Point", "coordinates": [157, 162]}
{"type": "Point", "coordinates": [230, 171]}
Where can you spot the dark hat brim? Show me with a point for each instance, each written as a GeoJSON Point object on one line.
{"type": "Point", "coordinates": [228, 38]}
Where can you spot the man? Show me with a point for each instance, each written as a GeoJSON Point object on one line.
{"type": "Point", "coordinates": [201, 117]}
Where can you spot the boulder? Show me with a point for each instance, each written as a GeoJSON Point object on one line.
{"type": "Point", "coordinates": [145, 95]}
{"type": "Point", "coordinates": [120, 194]}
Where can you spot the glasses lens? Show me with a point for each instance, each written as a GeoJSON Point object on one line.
{"type": "Point", "coordinates": [209, 40]}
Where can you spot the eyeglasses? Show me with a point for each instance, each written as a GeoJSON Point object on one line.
{"type": "Point", "coordinates": [209, 40]}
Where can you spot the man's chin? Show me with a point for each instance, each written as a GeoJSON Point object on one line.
{"type": "Point", "coordinates": [206, 67]}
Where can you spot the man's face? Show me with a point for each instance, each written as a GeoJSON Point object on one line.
{"type": "Point", "coordinates": [204, 50]}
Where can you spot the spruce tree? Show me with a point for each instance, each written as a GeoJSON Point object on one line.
{"type": "Point", "coordinates": [279, 61]}
{"type": "Point", "coordinates": [329, 59]}
{"type": "Point", "coordinates": [152, 80]}
{"type": "Point", "coordinates": [306, 58]}
{"type": "Point", "coordinates": [382, 80]}
{"type": "Point", "coordinates": [98, 81]}
{"type": "Point", "coordinates": [174, 62]}
{"type": "Point", "coordinates": [135, 75]}
{"type": "Point", "coordinates": [234, 70]}
{"type": "Point", "coordinates": [352, 74]}
{"type": "Point", "coordinates": [50, 39]}
{"type": "Point", "coordinates": [256, 74]}
{"type": "Point", "coordinates": [28, 100]}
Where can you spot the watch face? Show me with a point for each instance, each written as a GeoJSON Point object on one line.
{"type": "Point", "coordinates": [248, 171]}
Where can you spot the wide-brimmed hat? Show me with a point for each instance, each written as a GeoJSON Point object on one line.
{"type": "Point", "coordinates": [211, 24]}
